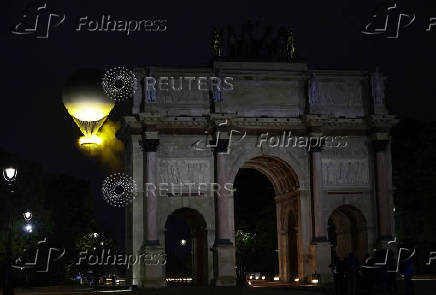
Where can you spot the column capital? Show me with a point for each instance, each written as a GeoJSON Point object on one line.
{"type": "Point", "coordinates": [151, 243]}
{"type": "Point", "coordinates": [222, 145]}
{"type": "Point", "coordinates": [320, 240]}
{"type": "Point", "coordinates": [149, 145]}
{"type": "Point", "coordinates": [223, 242]}
{"type": "Point", "coordinates": [380, 144]}
{"type": "Point", "coordinates": [315, 149]}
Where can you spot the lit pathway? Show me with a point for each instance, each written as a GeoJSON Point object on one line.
{"type": "Point", "coordinates": [279, 290]}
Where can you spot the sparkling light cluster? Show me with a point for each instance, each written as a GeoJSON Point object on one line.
{"type": "Point", "coordinates": [119, 189]}
{"type": "Point", "coordinates": [119, 83]}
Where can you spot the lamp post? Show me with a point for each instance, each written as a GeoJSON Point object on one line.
{"type": "Point", "coordinates": [9, 175]}
{"type": "Point", "coordinates": [28, 228]}
{"type": "Point", "coordinates": [27, 216]}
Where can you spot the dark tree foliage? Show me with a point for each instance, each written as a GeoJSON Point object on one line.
{"type": "Point", "coordinates": [62, 208]}
{"type": "Point", "coordinates": [414, 179]}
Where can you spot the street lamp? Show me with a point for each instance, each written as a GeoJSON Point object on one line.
{"type": "Point", "coordinates": [27, 216]}
{"type": "Point", "coordinates": [183, 242]}
{"type": "Point", "coordinates": [28, 228]}
{"type": "Point", "coordinates": [9, 175]}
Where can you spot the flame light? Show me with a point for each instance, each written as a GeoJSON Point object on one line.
{"type": "Point", "coordinates": [92, 139]}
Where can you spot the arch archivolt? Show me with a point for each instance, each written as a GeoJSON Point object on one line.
{"type": "Point", "coordinates": [359, 204]}
{"type": "Point", "coordinates": [298, 159]}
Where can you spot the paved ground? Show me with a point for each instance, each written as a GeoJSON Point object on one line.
{"type": "Point", "coordinates": [421, 288]}
{"type": "Point", "coordinates": [167, 291]}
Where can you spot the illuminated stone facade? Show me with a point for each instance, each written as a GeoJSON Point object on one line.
{"type": "Point", "coordinates": [197, 136]}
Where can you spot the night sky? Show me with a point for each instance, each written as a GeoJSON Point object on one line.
{"type": "Point", "coordinates": [35, 124]}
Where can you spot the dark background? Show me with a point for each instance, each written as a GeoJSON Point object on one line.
{"type": "Point", "coordinates": [35, 124]}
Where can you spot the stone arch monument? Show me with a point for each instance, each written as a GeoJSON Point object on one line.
{"type": "Point", "coordinates": [320, 136]}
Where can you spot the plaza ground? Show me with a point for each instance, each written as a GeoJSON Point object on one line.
{"type": "Point", "coordinates": [421, 288]}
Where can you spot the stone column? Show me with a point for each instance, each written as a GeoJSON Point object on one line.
{"type": "Point", "coordinates": [384, 197]}
{"type": "Point", "coordinates": [282, 247]}
{"type": "Point", "coordinates": [319, 242]}
{"type": "Point", "coordinates": [319, 230]}
{"type": "Point", "coordinates": [225, 274]}
{"type": "Point", "coordinates": [138, 95]}
{"type": "Point", "coordinates": [150, 149]}
{"type": "Point", "coordinates": [135, 212]}
{"type": "Point", "coordinates": [154, 274]}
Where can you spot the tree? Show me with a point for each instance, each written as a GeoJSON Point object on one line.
{"type": "Point", "coordinates": [414, 175]}
{"type": "Point", "coordinates": [62, 208]}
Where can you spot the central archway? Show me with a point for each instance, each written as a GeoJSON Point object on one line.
{"type": "Point", "coordinates": [285, 199]}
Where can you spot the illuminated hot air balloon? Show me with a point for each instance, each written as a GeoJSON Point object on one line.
{"type": "Point", "coordinates": [86, 102]}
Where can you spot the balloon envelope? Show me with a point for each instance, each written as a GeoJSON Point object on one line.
{"type": "Point", "coordinates": [85, 101]}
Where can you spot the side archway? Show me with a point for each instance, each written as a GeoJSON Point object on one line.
{"type": "Point", "coordinates": [186, 246]}
{"type": "Point", "coordinates": [348, 232]}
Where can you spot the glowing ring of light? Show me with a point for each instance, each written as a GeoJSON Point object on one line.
{"type": "Point", "coordinates": [119, 83]}
{"type": "Point", "coordinates": [119, 190]}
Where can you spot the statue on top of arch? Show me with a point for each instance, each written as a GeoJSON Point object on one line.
{"type": "Point", "coordinates": [254, 40]}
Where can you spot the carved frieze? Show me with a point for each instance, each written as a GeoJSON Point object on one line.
{"type": "Point", "coordinates": [175, 171]}
{"type": "Point", "coordinates": [338, 172]}
{"type": "Point", "coordinates": [346, 94]}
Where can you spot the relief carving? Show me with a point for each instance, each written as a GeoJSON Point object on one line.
{"type": "Point", "coordinates": [183, 171]}
{"type": "Point", "coordinates": [340, 93]}
{"type": "Point", "coordinates": [345, 172]}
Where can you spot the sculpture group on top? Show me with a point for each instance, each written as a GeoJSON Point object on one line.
{"type": "Point", "coordinates": [254, 40]}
